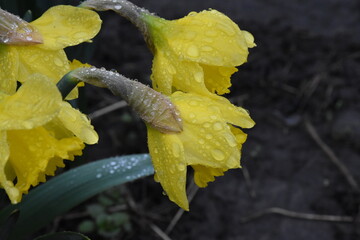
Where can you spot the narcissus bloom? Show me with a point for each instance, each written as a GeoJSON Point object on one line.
{"type": "Point", "coordinates": [197, 53]}
{"type": "Point", "coordinates": [59, 27]}
{"type": "Point", "coordinates": [209, 142]}
{"type": "Point", "coordinates": [38, 130]}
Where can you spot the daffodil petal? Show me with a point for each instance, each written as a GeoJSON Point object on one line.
{"type": "Point", "coordinates": [53, 64]}
{"type": "Point", "coordinates": [167, 156]}
{"type": "Point", "coordinates": [63, 26]}
{"type": "Point", "coordinates": [215, 144]}
{"type": "Point", "coordinates": [203, 175]}
{"type": "Point", "coordinates": [9, 66]}
{"type": "Point", "coordinates": [77, 123]}
{"type": "Point", "coordinates": [217, 78]}
{"type": "Point", "coordinates": [240, 136]}
{"type": "Point", "coordinates": [163, 73]}
{"type": "Point", "coordinates": [232, 114]}
{"type": "Point", "coordinates": [35, 103]}
{"type": "Point", "coordinates": [32, 150]}
{"type": "Point", "coordinates": [208, 37]}
{"type": "Point", "coordinates": [5, 180]}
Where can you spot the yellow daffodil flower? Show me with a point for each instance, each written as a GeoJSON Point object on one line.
{"type": "Point", "coordinates": [60, 26]}
{"type": "Point", "coordinates": [38, 130]}
{"type": "Point", "coordinates": [209, 142]}
{"type": "Point", "coordinates": [197, 53]}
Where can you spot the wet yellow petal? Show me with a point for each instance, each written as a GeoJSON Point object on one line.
{"type": "Point", "coordinates": [249, 39]}
{"type": "Point", "coordinates": [35, 103]}
{"type": "Point", "coordinates": [206, 137]}
{"type": "Point", "coordinates": [30, 154]}
{"type": "Point", "coordinates": [8, 69]}
{"type": "Point", "coordinates": [5, 180]}
{"type": "Point", "coordinates": [62, 26]}
{"type": "Point", "coordinates": [76, 122]}
{"type": "Point", "coordinates": [53, 64]}
{"type": "Point", "coordinates": [163, 73]}
{"type": "Point", "coordinates": [207, 37]}
{"type": "Point", "coordinates": [232, 114]}
{"type": "Point", "coordinates": [203, 175]}
{"type": "Point", "coordinates": [167, 156]}
{"type": "Point", "coordinates": [217, 78]}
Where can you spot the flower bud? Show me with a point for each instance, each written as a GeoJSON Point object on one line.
{"type": "Point", "coordinates": [154, 108]}
{"type": "Point", "coordinates": [15, 31]}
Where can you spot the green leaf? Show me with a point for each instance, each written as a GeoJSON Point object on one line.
{"type": "Point", "coordinates": [67, 190]}
{"type": "Point", "coordinates": [7, 226]}
{"type": "Point", "coordinates": [63, 236]}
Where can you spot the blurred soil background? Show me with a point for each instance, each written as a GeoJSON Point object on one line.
{"type": "Point", "coordinates": [300, 176]}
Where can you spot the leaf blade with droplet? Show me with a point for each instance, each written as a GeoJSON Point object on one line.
{"type": "Point", "coordinates": [67, 190]}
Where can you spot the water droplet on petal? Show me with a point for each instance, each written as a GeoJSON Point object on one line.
{"type": "Point", "coordinates": [206, 48]}
{"type": "Point", "coordinates": [211, 33]}
{"type": "Point", "coordinates": [181, 166]}
{"type": "Point", "coordinates": [207, 125]}
{"type": "Point", "coordinates": [193, 103]}
{"type": "Point", "coordinates": [198, 77]}
{"type": "Point", "coordinates": [156, 150]}
{"type": "Point", "coordinates": [192, 115]}
{"type": "Point", "coordinates": [117, 7]}
{"type": "Point", "coordinates": [217, 126]}
{"type": "Point", "coordinates": [193, 51]}
{"type": "Point", "coordinates": [230, 140]}
{"type": "Point", "coordinates": [190, 35]}
{"type": "Point", "coordinates": [208, 136]}
{"type": "Point", "coordinates": [218, 154]}
{"type": "Point", "coordinates": [201, 141]}
{"type": "Point", "coordinates": [58, 62]}
{"type": "Point", "coordinates": [176, 148]}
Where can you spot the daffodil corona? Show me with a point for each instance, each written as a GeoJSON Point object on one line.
{"type": "Point", "coordinates": [59, 27]}
{"type": "Point", "coordinates": [38, 130]}
{"type": "Point", "coordinates": [209, 142]}
{"type": "Point", "coordinates": [197, 53]}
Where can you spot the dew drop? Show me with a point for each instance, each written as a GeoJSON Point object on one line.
{"type": "Point", "coordinates": [176, 149]}
{"type": "Point", "coordinates": [207, 125]}
{"type": "Point", "coordinates": [230, 140]}
{"type": "Point", "coordinates": [208, 136]}
{"type": "Point", "coordinates": [117, 7]}
{"type": "Point", "coordinates": [193, 103]}
{"type": "Point", "coordinates": [28, 38]}
{"type": "Point", "coordinates": [192, 115]}
{"type": "Point", "coordinates": [211, 33]}
{"type": "Point", "coordinates": [58, 62]}
{"type": "Point", "coordinates": [193, 51]}
{"type": "Point", "coordinates": [206, 48]}
{"type": "Point", "coordinates": [181, 166]}
{"type": "Point", "coordinates": [213, 117]}
{"type": "Point", "coordinates": [198, 77]}
{"type": "Point", "coordinates": [201, 141]}
{"type": "Point", "coordinates": [98, 175]}
{"type": "Point", "coordinates": [218, 154]}
{"type": "Point", "coordinates": [190, 35]}
{"type": "Point", "coordinates": [217, 126]}
{"type": "Point", "coordinates": [156, 150]}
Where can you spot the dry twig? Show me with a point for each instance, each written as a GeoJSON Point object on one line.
{"type": "Point", "coordinates": [333, 158]}
{"type": "Point", "coordinates": [298, 215]}
{"type": "Point", "coordinates": [193, 189]}
{"type": "Point", "coordinates": [107, 109]}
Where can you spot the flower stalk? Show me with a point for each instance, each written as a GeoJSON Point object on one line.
{"type": "Point", "coordinates": [125, 9]}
